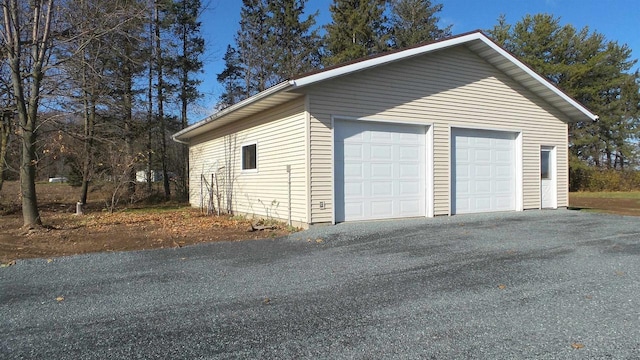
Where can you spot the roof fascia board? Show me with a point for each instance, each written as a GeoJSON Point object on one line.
{"type": "Point", "coordinates": [478, 35]}
{"type": "Point", "coordinates": [538, 78]}
{"type": "Point", "coordinates": [180, 136]}
{"type": "Point", "coordinates": [343, 70]}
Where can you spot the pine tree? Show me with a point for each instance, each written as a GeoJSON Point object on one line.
{"type": "Point", "coordinates": [415, 21]}
{"type": "Point", "coordinates": [230, 78]}
{"type": "Point", "coordinates": [590, 69]}
{"type": "Point", "coordinates": [253, 46]}
{"type": "Point", "coordinates": [184, 66]}
{"type": "Point", "coordinates": [357, 30]}
{"type": "Point", "coordinates": [274, 44]}
{"type": "Point", "coordinates": [294, 44]}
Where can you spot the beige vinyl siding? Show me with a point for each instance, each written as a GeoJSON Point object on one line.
{"type": "Point", "coordinates": [280, 134]}
{"type": "Point", "coordinates": [448, 88]}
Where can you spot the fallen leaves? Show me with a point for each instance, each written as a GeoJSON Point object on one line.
{"type": "Point", "coordinates": [502, 286]}
{"type": "Point", "coordinates": [146, 228]}
{"type": "Point", "coordinates": [60, 299]}
{"type": "Point", "coordinates": [577, 345]}
{"type": "Point", "coordinates": [8, 263]}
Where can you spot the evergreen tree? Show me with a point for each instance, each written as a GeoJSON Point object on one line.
{"type": "Point", "coordinates": [414, 22]}
{"type": "Point", "coordinates": [294, 44]}
{"type": "Point", "coordinates": [230, 78]}
{"type": "Point", "coordinates": [357, 30]}
{"type": "Point", "coordinates": [590, 69]}
{"type": "Point", "coordinates": [184, 66]}
{"type": "Point", "coordinates": [253, 46]}
{"type": "Point", "coordinates": [274, 44]}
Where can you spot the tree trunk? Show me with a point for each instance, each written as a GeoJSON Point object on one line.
{"type": "Point", "coordinates": [160, 96]}
{"type": "Point", "coordinates": [88, 150]}
{"type": "Point", "coordinates": [5, 131]}
{"type": "Point", "coordinates": [29, 73]}
{"type": "Point", "coordinates": [184, 179]}
{"type": "Point", "coordinates": [30, 213]}
{"type": "Point", "coordinates": [128, 123]}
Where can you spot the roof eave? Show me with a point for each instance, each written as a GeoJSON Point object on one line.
{"type": "Point", "coordinates": [183, 135]}
{"type": "Point", "coordinates": [575, 104]}
{"type": "Point", "coordinates": [385, 59]}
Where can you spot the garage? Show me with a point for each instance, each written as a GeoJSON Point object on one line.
{"type": "Point", "coordinates": [484, 177]}
{"type": "Point", "coordinates": [380, 170]}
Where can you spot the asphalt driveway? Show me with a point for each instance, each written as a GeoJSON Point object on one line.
{"type": "Point", "coordinates": [539, 284]}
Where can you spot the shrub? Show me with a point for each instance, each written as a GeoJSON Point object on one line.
{"type": "Point", "coordinates": [592, 179]}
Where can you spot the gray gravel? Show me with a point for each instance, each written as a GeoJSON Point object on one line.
{"type": "Point", "coordinates": [501, 286]}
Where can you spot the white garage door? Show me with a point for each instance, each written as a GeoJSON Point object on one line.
{"type": "Point", "coordinates": [483, 171]}
{"type": "Point", "coordinates": [379, 170]}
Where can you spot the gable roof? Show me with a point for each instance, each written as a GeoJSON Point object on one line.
{"type": "Point", "coordinates": [475, 41]}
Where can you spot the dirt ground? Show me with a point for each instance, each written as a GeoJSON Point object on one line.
{"type": "Point", "coordinates": [136, 227]}
{"type": "Point", "coordinates": [139, 226]}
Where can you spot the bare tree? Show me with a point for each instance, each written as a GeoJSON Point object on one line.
{"type": "Point", "coordinates": [7, 111]}
{"type": "Point", "coordinates": [26, 39]}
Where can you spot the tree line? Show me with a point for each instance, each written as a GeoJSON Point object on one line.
{"type": "Point", "coordinates": [584, 64]}
{"type": "Point", "coordinates": [94, 89]}
{"type": "Point", "coordinates": [98, 86]}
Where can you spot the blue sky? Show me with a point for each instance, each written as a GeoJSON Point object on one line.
{"type": "Point", "coordinates": [618, 20]}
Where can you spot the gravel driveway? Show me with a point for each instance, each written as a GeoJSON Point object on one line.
{"type": "Point", "coordinates": [538, 284]}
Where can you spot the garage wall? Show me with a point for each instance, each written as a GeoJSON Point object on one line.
{"type": "Point", "coordinates": [452, 87]}
{"type": "Point", "coordinates": [280, 134]}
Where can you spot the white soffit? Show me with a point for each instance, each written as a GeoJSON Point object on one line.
{"type": "Point", "coordinates": [475, 41]}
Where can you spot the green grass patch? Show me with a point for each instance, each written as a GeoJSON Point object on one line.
{"type": "Point", "coordinates": [606, 195]}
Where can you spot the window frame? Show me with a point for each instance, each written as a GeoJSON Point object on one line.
{"type": "Point", "coordinates": [242, 157]}
{"type": "Point", "coordinates": [545, 154]}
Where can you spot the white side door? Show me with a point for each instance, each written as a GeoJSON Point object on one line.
{"type": "Point", "coordinates": [548, 178]}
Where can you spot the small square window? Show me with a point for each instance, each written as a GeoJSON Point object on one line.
{"type": "Point", "coordinates": [249, 156]}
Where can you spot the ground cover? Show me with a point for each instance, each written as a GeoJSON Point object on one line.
{"type": "Point", "coordinates": [134, 227]}
{"type": "Point", "coordinates": [151, 226]}
{"type": "Point", "coordinates": [622, 203]}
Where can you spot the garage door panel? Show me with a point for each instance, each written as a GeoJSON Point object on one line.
{"type": "Point", "coordinates": [352, 189]}
{"type": "Point", "coordinates": [483, 171]}
{"type": "Point", "coordinates": [482, 155]}
{"type": "Point", "coordinates": [353, 152]}
{"type": "Point", "coordinates": [388, 163]}
{"type": "Point", "coordinates": [354, 209]}
{"type": "Point", "coordinates": [482, 203]}
{"type": "Point", "coordinates": [382, 188]}
{"type": "Point", "coordinates": [410, 170]}
{"type": "Point", "coordinates": [410, 188]}
{"type": "Point", "coordinates": [462, 154]}
{"type": "Point", "coordinates": [409, 153]}
{"type": "Point", "coordinates": [381, 208]}
{"type": "Point", "coordinates": [381, 152]}
{"type": "Point", "coordinates": [353, 170]}
{"type": "Point", "coordinates": [381, 171]}
{"type": "Point", "coordinates": [380, 135]}
{"type": "Point", "coordinates": [482, 186]}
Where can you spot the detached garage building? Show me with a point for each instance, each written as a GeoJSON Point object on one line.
{"type": "Point", "coordinates": [452, 127]}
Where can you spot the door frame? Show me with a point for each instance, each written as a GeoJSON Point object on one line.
{"type": "Point", "coordinates": [553, 172]}
{"type": "Point", "coordinates": [519, 197]}
{"type": "Point", "coordinates": [428, 144]}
